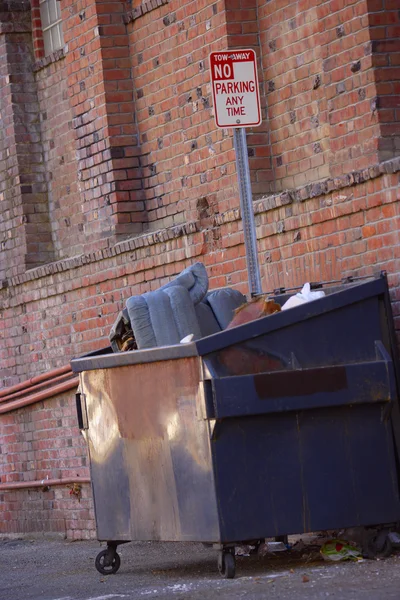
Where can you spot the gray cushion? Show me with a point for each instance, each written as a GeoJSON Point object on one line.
{"type": "Point", "coordinates": [194, 279]}
{"type": "Point", "coordinates": [139, 317]}
{"type": "Point", "coordinates": [184, 313]}
{"type": "Point", "coordinates": [223, 303]}
{"type": "Point", "coordinates": [167, 315]}
{"type": "Point", "coordinates": [163, 317]}
{"type": "Point", "coordinates": [207, 321]}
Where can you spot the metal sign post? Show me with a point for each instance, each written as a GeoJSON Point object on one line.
{"type": "Point", "coordinates": [246, 208]}
{"type": "Point", "coordinates": [237, 104]}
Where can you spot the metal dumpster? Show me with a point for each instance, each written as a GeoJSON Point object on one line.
{"type": "Point", "coordinates": [284, 425]}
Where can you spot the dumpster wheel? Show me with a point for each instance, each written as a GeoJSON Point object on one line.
{"type": "Point", "coordinates": [227, 563]}
{"type": "Point", "coordinates": [380, 546]}
{"type": "Point", "coordinates": [107, 563]}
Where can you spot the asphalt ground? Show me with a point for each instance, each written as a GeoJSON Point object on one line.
{"type": "Point", "coordinates": [62, 570]}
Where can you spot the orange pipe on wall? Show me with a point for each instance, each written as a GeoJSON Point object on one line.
{"type": "Point", "coordinates": [19, 485]}
{"type": "Point", "coordinates": [36, 387]}
{"type": "Point", "coordinates": [34, 380]}
{"type": "Point", "coordinates": [43, 395]}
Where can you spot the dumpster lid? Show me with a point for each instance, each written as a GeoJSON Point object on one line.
{"type": "Point", "coordinates": [134, 357]}
{"type": "Point", "coordinates": [349, 294]}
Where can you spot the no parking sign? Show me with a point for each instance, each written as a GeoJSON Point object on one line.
{"type": "Point", "coordinates": [237, 104]}
{"type": "Point", "coordinates": [235, 88]}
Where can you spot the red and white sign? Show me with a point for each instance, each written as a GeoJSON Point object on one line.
{"type": "Point", "coordinates": [235, 88]}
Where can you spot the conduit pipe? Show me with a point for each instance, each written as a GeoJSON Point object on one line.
{"type": "Point", "coordinates": [34, 380]}
{"type": "Point", "coordinates": [39, 396]}
{"type": "Point", "coordinates": [37, 387]}
{"type": "Point", "coordinates": [20, 485]}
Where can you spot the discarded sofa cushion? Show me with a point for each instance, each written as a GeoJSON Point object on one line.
{"type": "Point", "coordinates": [223, 303]}
{"type": "Point", "coordinates": [139, 316]}
{"type": "Point", "coordinates": [194, 279]}
{"type": "Point", "coordinates": [207, 321]}
{"type": "Point", "coordinates": [163, 317]}
{"type": "Point", "coordinates": [180, 308]}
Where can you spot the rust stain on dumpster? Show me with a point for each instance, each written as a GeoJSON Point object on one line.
{"type": "Point", "coordinates": [161, 451]}
{"type": "Point", "coordinates": [300, 383]}
{"type": "Point", "coordinates": [147, 398]}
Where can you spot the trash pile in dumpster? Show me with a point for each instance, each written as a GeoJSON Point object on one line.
{"type": "Point", "coordinates": [184, 306]}
{"type": "Point", "coordinates": [184, 310]}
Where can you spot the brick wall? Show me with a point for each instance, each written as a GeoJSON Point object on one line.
{"type": "Point", "coordinates": [324, 113]}
{"type": "Point", "coordinates": [297, 105]}
{"type": "Point", "coordinates": [38, 442]}
{"type": "Point", "coordinates": [330, 81]}
{"type": "Point", "coordinates": [101, 96]}
{"type": "Point", "coordinates": [246, 29]}
{"type": "Point", "coordinates": [132, 145]}
{"type": "Point", "coordinates": [37, 31]}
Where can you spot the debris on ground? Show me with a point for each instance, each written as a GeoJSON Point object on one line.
{"type": "Point", "coordinates": [271, 547]}
{"type": "Point", "coordinates": [339, 550]}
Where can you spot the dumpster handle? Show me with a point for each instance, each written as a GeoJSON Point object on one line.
{"type": "Point", "coordinates": [81, 411]}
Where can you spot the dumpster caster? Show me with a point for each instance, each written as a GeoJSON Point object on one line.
{"type": "Point", "coordinates": [108, 561]}
{"type": "Point", "coordinates": [227, 563]}
{"type": "Point", "coordinates": [380, 546]}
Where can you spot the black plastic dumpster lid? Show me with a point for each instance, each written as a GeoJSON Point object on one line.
{"type": "Point", "coordinates": [338, 299]}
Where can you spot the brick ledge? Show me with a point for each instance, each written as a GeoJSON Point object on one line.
{"type": "Point", "coordinates": [313, 190]}
{"type": "Point", "coordinates": [142, 9]}
{"type": "Point", "coordinates": [48, 60]}
{"type": "Point", "coordinates": [66, 264]}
